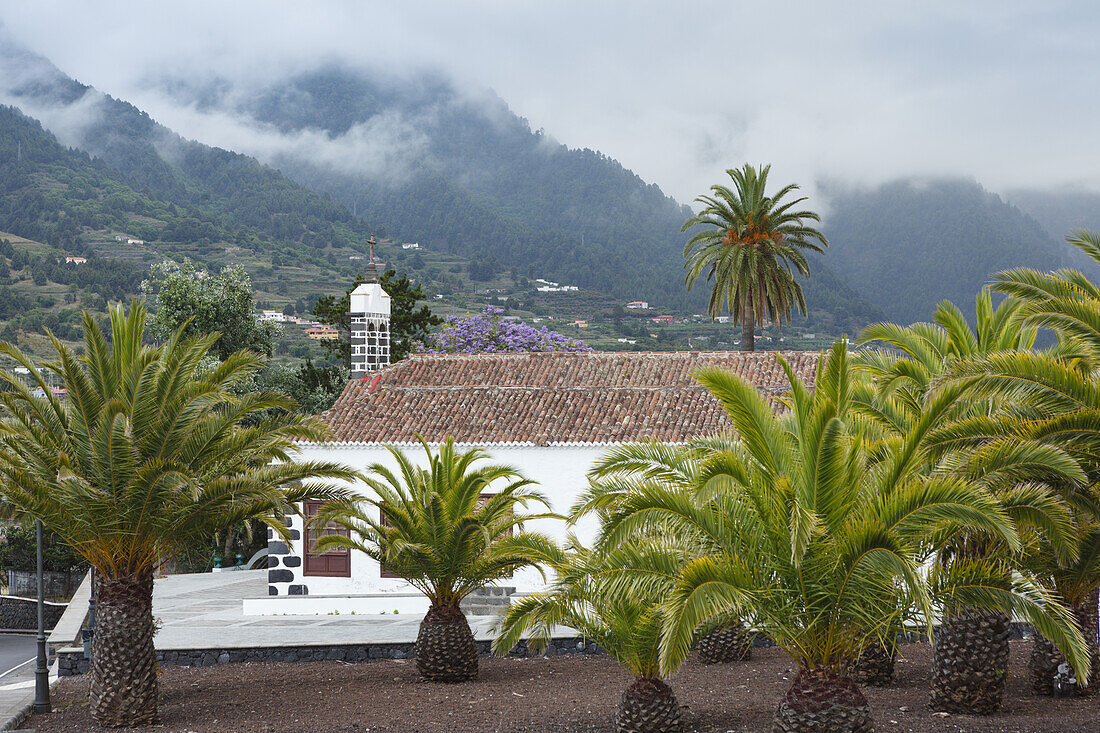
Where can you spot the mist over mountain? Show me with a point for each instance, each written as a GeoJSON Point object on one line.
{"type": "Point", "coordinates": [340, 152]}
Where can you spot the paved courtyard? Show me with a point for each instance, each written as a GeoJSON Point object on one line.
{"type": "Point", "coordinates": [205, 610]}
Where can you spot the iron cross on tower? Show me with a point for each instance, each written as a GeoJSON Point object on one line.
{"type": "Point", "coordinates": [371, 242]}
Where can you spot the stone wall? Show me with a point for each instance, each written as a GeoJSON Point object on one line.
{"type": "Point", "coordinates": [71, 660]}
{"type": "Point", "coordinates": [22, 613]}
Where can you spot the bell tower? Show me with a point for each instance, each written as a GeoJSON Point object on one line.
{"type": "Point", "coordinates": [370, 323]}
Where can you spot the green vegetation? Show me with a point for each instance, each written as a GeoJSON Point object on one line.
{"type": "Point", "coordinates": [145, 458]}
{"type": "Point", "coordinates": [448, 530]}
{"type": "Point", "coordinates": [906, 246]}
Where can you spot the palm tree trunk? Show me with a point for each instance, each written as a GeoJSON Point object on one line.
{"type": "Point", "coordinates": [748, 326]}
{"type": "Point", "coordinates": [124, 664]}
{"type": "Point", "coordinates": [728, 642]}
{"type": "Point", "coordinates": [970, 662]}
{"type": "Point", "coordinates": [823, 700]}
{"type": "Point", "coordinates": [875, 665]}
{"type": "Point", "coordinates": [445, 647]}
{"type": "Point", "coordinates": [1045, 657]}
{"type": "Point", "coordinates": [648, 706]}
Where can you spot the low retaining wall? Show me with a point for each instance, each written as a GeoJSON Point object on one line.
{"type": "Point", "coordinates": [22, 613]}
{"type": "Point", "coordinates": [71, 661]}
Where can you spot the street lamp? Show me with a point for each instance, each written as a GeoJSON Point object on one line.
{"type": "Point", "coordinates": [42, 673]}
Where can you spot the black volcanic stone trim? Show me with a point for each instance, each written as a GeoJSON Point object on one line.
{"type": "Point", "coordinates": [277, 547]}
{"type": "Point", "coordinates": [280, 576]}
{"type": "Point", "coordinates": [295, 534]}
{"type": "Point", "coordinates": [73, 663]}
{"type": "Point", "coordinates": [22, 613]}
{"type": "Point", "coordinates": [292, 561]}
{"type": "Point", "coordinates": [272, 590]}
{"type": "Point", "coordinates": [272, 561]}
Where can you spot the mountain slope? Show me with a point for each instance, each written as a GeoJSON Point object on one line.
{"type": "Point", "coordinates": [909, 244]}
{"type": "Point", "coordinates": [464, 174]}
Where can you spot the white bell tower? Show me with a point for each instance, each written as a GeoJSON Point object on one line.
{"type": "Point", "coordinates": [370, 323]}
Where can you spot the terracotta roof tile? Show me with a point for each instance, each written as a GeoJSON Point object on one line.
{"type": "Point", "coordinates": [549, 398]}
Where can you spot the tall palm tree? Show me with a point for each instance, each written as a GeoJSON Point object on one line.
{"type": "Point", "coordinates": [748, 245]}
{"type": "Point", "coordinates": [811, 537]}
{"type": "Point", "coordinates": [448, 530]}
{"type": "Point", "coordinates": [146, 456]}
{"type": "Point", "coordinates": [595, 594]}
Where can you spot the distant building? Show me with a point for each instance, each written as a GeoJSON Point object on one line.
{"type": "Point", "coordinates": [579, 323]}
{"type": "Point", "coordinates": [355, 257]}
{"type": "Point", "coordinates": [135, 241]}
{"type": "Point", "coordinates": [663, 319]}
{"type": "Point", "coordinates": [277, 316]}
{"type": "Point", "coordinates": [76, 260]}
{"type": "Point", "coordinates": [410, 245]}
{"type": "Point", "coordinates": [322, 333]}
{"type": "Point", "coordinates": [638, 305]}
{"type": "Point", "coordinates": [722, 319]}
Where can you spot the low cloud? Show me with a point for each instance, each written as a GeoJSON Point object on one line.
{"type": "Point", "coordinates": [862, 92]}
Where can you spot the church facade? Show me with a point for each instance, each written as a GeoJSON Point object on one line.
{"type": "Point", "coordinates": [549, 415]}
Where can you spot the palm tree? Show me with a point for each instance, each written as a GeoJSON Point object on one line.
{"type": "Point", "coordinates": [971, 644]}
{"type": "Point", "coordinates": [1054, 398]}
{"type": "Point", "coordinates": [598, 595]}
{"type": "Point", "coordinates": [448, 530]}
{"type": "Point", "coordinates": [748, 246]}
{"type": "Point", "coordinates": [811, 536]}
{"type": "Point", "coordinates": [1077, 585]}
{"type": "Point", "coordinates": [625, 470]}
{"type": "Point", "coordinates": [147, 456]}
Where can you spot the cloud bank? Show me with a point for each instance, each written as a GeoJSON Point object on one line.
{"type": "Point", "coordinates": [859, 92]}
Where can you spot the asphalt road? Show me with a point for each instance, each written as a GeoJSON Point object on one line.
{"type": "Point", "coordinates": [14, 650]}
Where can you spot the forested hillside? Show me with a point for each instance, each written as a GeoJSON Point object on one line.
{"type": "Point", "coordinates": [907, 245]}
{"type": "Point", "coordinates": [1061, 212]}
{"type": "Point", "coordinates": [474, 179]}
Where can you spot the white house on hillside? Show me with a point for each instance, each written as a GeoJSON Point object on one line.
{"type": "Point", "coordinates": [548, 415]}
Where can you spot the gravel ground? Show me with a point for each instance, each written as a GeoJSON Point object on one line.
{"type": "Point", "coordinates": [557, 694]}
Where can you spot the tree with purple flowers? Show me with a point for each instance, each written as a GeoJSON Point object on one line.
{"type": "Point", "coordinates": [489, 332]}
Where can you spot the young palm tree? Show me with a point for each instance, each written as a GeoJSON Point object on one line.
{"type": "Point", "coordinates": [1055, 398]}
{"type": "Point", "coordinates": [625, 470]}
{"type": "Point", "coordinates": [971, 645]}
{"type": "Point", "coordinates": [1077, 585]}
{"type": "Point", "coordinates": [146, 456]}
{"type": "Point", "coordinates": [597, 595]}
{"type": "Point", "coordinates": [812, 537]}
{"type": "Point", "coordinates": [448, 530]}
{"type": "Point", "coordinates": [749, 243]}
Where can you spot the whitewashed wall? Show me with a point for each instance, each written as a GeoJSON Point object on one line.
{"type": "Point", "coordinates": [559, 470]}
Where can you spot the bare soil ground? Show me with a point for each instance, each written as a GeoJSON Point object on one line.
{"type": "Point", "coordinates": [564, 694]}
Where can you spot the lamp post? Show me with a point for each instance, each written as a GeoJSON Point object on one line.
{"type": "Point", "coordinates": [42, 673]}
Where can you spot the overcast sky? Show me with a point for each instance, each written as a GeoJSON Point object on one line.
{"type": "Point", "coordinates": [1005, 92]}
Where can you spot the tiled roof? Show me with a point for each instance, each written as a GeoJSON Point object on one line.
{"type": "Point", "coordinates": [549, 398]}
